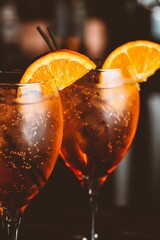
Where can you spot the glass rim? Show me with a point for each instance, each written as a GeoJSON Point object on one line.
{"type": "Point", "coordinates": [109, 77]}
{"type": "Point", "coordinates": [19, 84]}
{"type": "Point", "coordinates": [100, 69]}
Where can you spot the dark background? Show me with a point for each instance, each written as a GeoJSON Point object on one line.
{"type": "Point", "coordinates": [129, 202]}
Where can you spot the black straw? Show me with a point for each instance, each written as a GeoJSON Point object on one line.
{"type": "Point", "coordinates": [47, 40]}
{"type": "Point", "coordinates": [50, 30]}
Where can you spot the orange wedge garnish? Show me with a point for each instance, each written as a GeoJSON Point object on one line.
{"type": "Point", "coordinates": [142, 55]}
{"type": "Point", "coordinates": [64, 66]}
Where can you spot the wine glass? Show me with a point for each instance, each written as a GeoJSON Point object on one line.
{"type": "Point", "coordinates": [101, 113]}
{"type": "Point", "coordinates": [31, 126]}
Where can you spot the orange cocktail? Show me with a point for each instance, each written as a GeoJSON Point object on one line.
{"type": "Point", "coordinates": [100, 121]}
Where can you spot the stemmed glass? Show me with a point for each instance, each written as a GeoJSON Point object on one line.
{"type": "Point", "coordinates": [31, 126]}
{"type": "Point", "coordinates": [101, 113]}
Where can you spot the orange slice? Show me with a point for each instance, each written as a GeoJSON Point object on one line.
{"type": "Point", "coordinates": [142, 55]}
{"type": "Point", "coordinates": [64, 66]}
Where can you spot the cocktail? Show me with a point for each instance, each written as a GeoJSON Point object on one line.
{"type": "Point", "coordinates": [31, 125]}
{"type": "Point", "coordinates": [100, 118]}
{"type": "Point", "coordinates": [101, 113]}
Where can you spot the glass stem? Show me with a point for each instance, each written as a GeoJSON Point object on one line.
{"type": "Point", "coordinates": [11, 220]}
{"type": "Point", "coordinates": [93, 202]}
{"type": "Point", "coordinates": [93, 186]}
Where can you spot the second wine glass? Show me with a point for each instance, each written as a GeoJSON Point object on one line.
{"type": "Point", "coordinates": [101, 113]}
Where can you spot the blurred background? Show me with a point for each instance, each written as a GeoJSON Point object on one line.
{"type": "Point", "coordinates": [129, 202]}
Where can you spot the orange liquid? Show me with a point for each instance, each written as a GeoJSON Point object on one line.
{"type": "Point", "coordinates": [30, 138]}
{"type": "Point", "coordinates": [99, 126]}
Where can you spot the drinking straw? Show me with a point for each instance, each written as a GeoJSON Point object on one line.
{"type": "Point", "coordinates": [45, 37]}
{"type": "Point", "coordinates": [50, 30]}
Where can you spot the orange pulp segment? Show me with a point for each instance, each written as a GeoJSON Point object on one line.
{"type": "Point", "coordinates": [64, 66]}
{"type": "Point", "coordinates": [142, 55]}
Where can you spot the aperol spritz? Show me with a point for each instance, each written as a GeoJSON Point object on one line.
{"type": "Point", "coordinates": [101, 113]}
{"type": "Point", "coordinates": [31, 126]}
